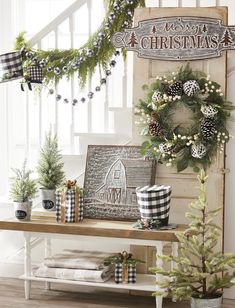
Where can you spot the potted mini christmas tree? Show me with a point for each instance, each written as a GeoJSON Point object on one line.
{"type": "Point", "coordinates": [50, 170]}
{"type": "Point", "coordinates": [22, 190]}
{"type": "Point", "coordinates": [201, 272]}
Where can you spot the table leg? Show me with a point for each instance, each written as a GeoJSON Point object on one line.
{"type": "Point", "coordinates": [174, 249]}
{"type": "Point", "coordinates": [27, 264]}
{"type": "Point", "coordinates": [47, 254]}
{"type": "Point", "coordinates": [159, 263]}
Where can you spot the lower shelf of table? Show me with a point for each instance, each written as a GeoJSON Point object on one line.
{"type": "Point", "coordinates": [144, 282]}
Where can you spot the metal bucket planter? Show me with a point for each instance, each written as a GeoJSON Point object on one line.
{"type": "Point", "coordinates": [154, 203]}
{"type": "Point", "coordinates": [206, 303]}
{"type": "Point", "coordinates": [11, 66]}
{"type": "Point", "coordinates": [23, 210]}
{"type": "Point", "coordinates": [48, 199]}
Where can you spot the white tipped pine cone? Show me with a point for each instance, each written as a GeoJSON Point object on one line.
{"type": "Point", "coordinates": [191, 87]}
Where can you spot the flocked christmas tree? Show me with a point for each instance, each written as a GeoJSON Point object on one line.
{"type": "Point", "coordinates": [201, 271]}
{"type": "Point", "coordinates": [50, 165]}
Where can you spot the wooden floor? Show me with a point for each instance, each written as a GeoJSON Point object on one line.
{"type": "Point", "coordinates": [12, 296]}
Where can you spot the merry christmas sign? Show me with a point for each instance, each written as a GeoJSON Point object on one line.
{"type": "Point", "coordinates": [177, 38]}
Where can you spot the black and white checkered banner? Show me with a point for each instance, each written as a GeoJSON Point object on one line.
{"type": "Point", "coordinates": [11, 66]}
{"type": "Point", "coordinates": [154, 201]}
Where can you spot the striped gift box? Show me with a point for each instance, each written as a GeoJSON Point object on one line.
{"type": "Point", "coordinates": [154, 203]}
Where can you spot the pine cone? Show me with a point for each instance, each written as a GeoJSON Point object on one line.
{"type": "Point", "coordinates": [175, 88]}
{"type": "Point", "coordinates": [154, 128]}
{"type": "Point", "coordinates": [191, 87]}
{"type": "Point", "coordinates": [208, 129]}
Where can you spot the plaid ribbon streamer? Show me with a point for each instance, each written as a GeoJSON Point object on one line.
{"type": "Point", "coordinates": [131, 275]}
{"type": "Point", "coordinates": [66, 206]}
{"type": "Point", "coordinates": [35, 74]}
{"type": "Point", "coordinates": [154, 202]}
{"type": "Point", "coordinates": [11, 65]}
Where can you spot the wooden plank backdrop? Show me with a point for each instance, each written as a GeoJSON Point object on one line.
{"type": "Point", "coordinates": [184, 183]}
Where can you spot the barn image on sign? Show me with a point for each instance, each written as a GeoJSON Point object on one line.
{"type": "Point", "coordinates": [112, 175]}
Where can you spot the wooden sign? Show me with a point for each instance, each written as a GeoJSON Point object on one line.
{"type": "Point", "coordinates": [177, 38]}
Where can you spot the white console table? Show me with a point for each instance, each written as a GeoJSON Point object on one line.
{"type": "Point", "coordinates": [94, 230]}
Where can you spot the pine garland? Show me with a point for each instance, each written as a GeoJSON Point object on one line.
{"type": "Point", "coordinates": [50, 165]}
{"type": "Point", "coordinates": [201, 271]}
{"type": "Point", "coordinates": [195, 145]}
{"type": "Point", "coordinates": [96, 53]}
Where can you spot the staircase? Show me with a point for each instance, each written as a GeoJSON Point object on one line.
{"type": "Point", "coordinates": [104, 120]}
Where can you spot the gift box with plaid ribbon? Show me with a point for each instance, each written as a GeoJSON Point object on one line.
{"type": "Point", "coordinates": [125, 267]}
{"type": "Point", "coordinates": [154, 203]}
{"type": "Point", "coordinates": [69, 203]}
{"type": "Point", "coordinates": [11, 66]}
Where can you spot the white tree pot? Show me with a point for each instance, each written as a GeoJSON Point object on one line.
{"type": "Point", "coordinates": [23, 210]}
{"type": "Point", "coordinates": [48, 199]}
{"type": "Point", "coordinates": [206, 303]}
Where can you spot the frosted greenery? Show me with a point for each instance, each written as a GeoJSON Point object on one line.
{"type": "Point", "coordinates": [200, 265]}
{"type": "Point", "coordinates": [50, 165]}
{"type": "Point", "coordinates": [22, 188]}
{"type": "Point", "coordinates": [100, 57]}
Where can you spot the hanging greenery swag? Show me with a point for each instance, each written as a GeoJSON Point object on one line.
{"type": "Point", "coordinates": [195, 142]}
{"type": "Point", "coordinates": [96, 53]}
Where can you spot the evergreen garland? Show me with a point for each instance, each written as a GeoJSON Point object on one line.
{"type": "Point", "coordinates": [23, 188]}
{"type": "Point", "coordinates": [192, 146]}
{"type": "Point", "coordinates": [201, 271]}
{"type": "Point", "coordinates": [50, 165]}
{"type": "Point", "coordinates": [96, 53]}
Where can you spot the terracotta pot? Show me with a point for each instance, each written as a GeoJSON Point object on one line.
{"type": "Point", "coordinates": [48, 199]}
{"type": "Point", "coordinates": [206, 303]}
{"type": "Point", "coordinates": [23, 210]}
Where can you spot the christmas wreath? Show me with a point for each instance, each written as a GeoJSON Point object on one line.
{"type": "Point", "coordinates": [194, 144]}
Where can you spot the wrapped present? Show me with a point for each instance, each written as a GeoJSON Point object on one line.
{"type": "Point", "coordinates": [69, 203]}
{"type": "Point", "coordinates": [125, 267]}
{"type": "Point", "coordinates": [154, 204]}
{"type": "Point", "coordinates": [11, 66]}
{"type": "Point", "coordinates": [125, 273]}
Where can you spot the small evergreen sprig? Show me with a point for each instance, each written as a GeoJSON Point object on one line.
{"type": "Point", "coordinates": [124, 258]}
{"type": "Point", "coordinates": [23, 188]}
{"type": "Point", "coordinates": [201, 271]}
{"type": "Point", "coordinates": [50, 165]}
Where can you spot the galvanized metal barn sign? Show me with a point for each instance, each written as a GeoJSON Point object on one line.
{"type": "Point", "coordinates": [177, 38]}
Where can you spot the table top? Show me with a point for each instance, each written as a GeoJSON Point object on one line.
{"type": "Point", "coordinates": [91, 227]}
